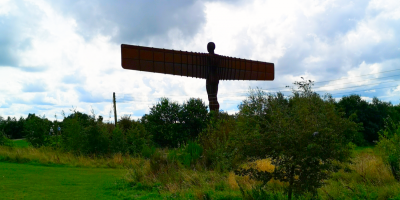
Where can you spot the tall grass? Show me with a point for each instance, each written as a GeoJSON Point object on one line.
{"type": "Point", "coordinates": [49, 156]}
{"type": "Point", "coordinates": [366, 178]}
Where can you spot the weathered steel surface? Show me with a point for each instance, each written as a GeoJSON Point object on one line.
{"type": "Point", "coordinates": [211, 66]}
{"type": "Point", "coordinates": [191, 64]}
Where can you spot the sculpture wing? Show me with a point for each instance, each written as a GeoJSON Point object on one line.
{"type": "Point", "coordinates": [164, 61]}
{"type": "Point", "coordinates": [241, 69]}
{"type": "Point", "coordinates": [193, 64]}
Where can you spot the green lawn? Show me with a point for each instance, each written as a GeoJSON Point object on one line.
{"type": "Point", "coordinates": [25, 181]}
{"type": "Point", "coordinates": [20, 143]}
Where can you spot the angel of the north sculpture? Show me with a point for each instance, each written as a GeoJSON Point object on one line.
{"type": "Point", "coordinates": [211, 66]}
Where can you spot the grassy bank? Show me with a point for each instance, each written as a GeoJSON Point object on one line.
{"type": "Point", "coordinates": [20, 143]}
{"type": "Point", "coordinates": [136, 178]}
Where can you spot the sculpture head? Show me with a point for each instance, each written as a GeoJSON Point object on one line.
{"type": "Point", "coordinates": [211, 47]}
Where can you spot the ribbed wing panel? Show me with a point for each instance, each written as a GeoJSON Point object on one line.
{"type": "Point", "coordinates": [241, 69]}
{"type": "Point", "coordinates": [164, 61]}
{"type": "Point", "coordinates": [192, 64]}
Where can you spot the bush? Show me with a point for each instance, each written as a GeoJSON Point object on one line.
{"type": "Point", "coordinates": [13, 128]}
{"type": "Point", "coordinates": [118, 141]}
{"type": "Point", "coordinates": [83, 134]}
{"type": "Point", "coordinates": [193, 118]}
{"type": "Point", "coordinates": [4, 140]}
{"type": "Point", "coordinates": [137, 137]}
{"type": "Point", "coordinates": [163, 123]}
{"type": "Point", "coordinates": [171, 124]}
{"type": "Point", "coordinates": [187, 155]}
{"type": "Point", "coordinates": [218, 153]}
{"type": "Point", "coordinates": [370, 115]}
{"type": "Point", "coordinates": [37, 130]}
{"type": "Point", "coordinates": [303, 135]}
{"type": "Point", "coordinates": [388, 146]}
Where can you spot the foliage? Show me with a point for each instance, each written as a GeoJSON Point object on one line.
{"type": "Point", "coordinates": [188, 155]}
{"type": "Point", "coordinates": [138, 138]}
{"type": "Point", "coordinates": [12, 127]}
{"type": "Point", "coordinates": [163, 123]}
{"type": "Point", "coordinates": [219, 154]}
{"type": "Point", "coordinates": [171, 124]}
{"type": "Point", "coordinates": [4, 140]}
{"type": "Point", "coordinates": [303, 135]}
{"type": "Point", "coordinates": [388, 146]}
{"type": "Point", "coordinates": [118, 141]}
{"type": "Point", "coordinates": [37, 130]}
{"type": "Point", "coordinates": [370, 115]}
{"type": "Point", "coordinates": [193, 117]}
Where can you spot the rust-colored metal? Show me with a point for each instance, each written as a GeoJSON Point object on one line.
{"type": "Point", "coordinates": [209, 66]}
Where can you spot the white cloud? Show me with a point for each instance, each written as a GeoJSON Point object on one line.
{"type": "Point", "coordinates": [317, 40]}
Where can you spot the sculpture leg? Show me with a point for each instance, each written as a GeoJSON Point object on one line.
{"type": "Point", "coordinates": [212, 91]}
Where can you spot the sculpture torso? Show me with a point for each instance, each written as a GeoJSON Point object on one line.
{"type": "Point", "coordinates": [212, 77]}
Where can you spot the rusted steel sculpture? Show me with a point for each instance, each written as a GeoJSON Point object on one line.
{"type": "Point", "coordinates": [211, 66]}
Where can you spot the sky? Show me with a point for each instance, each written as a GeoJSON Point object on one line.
{"type": "Point", "coordinates": [60, 56]}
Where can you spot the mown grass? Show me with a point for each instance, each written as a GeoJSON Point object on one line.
{"type": "Point", "coordinates": [20, 143]}
{"type": "Point", "coordinates": [24, 181]}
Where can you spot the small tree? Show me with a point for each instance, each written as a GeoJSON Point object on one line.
{"type": "Point", "coordinates": [388, 146]}
{"type": "Point", "coordinates": [37, 130]}
{"type": "Point", "coordinates": [163, 123]}
{"type": "Point", "coordinates": [193, 117]}
{"type": "Point", "coordinates": [303, 135]}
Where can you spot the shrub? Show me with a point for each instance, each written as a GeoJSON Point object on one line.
{"type": "Point", "coordinates": [171, 124]}
{"type": "Point", "coordinates": [4, 140]}
{"type": "Point", "coordinates": [303, 135]}
{"type": "Point", "coordinates": [82, 134]}
{"type": "Point", "coordinates": [118, 141]}
{"type": "Point", "coordinates": [193, 118]}
{"type": "Point", "coordinates": [218, 154]}
{"type": "Point", "coordinates": [163, 123]}
{"type": "Point", "coordinates": [37, 130]}
{"type": "Point", "coordinates": [388, 146]}
{"type": "Point", "coordinates": [97, 139]}
{"type": "Point", "coordinates": [137, 138]}
{"type": "Point", "coordinates": [370, 115]}
{"type": "Point", "coordinates": [13, 128]}
{"type": "Point", "coordinates": [187, 155]}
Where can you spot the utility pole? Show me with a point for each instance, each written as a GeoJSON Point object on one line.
{"type": "Point", "coordinates": [115, 109]}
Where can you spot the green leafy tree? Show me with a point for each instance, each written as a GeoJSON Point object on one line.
{"type": "Point", "coordinates": [37, 130]}
{"type": "Point", "coordinates": [138, 138]}
{"type": "Point", "coordinates": [370, 115]}
{"type": "Point", "coordinates": [118, 141]}
{"type": "Point", "coordinates": [388, 146]}
{"type": "Point", "coordinates": [13, 128]}
{"type": "Point", "coordinates": [303, 135]}
{"type": "Point", "coordinates": [4, 140]}
{"type": "Point", "coordinates": [193, 118]}
{"type": "Point", "coordinates": [163, 123]}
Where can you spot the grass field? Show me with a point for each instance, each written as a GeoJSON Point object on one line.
{"type": "Point", "coordinates": [25, 181]}
{"type": "Point", "coordinates": [45, 173]}
{"type": "Point", "coordinates": [20, 143]}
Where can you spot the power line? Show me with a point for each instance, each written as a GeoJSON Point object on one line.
{"type": "Point", "coordinates": [366, 90]}
{"type": "Point", "coordinates": [346, 78]}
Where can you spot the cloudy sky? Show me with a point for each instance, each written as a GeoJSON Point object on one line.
{"type": "Point", "coordinates": [61, 55]}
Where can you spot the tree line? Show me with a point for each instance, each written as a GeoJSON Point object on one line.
{"type": "Point", "coordinates": [305, 135]}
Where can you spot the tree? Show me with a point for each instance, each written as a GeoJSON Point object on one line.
{"type": "Point", "coordinates": [193, 117]}
{"type": "Point", "coordinates": [370, 115]}
{"type": "Point", "coordinates": [303, 135]}
{"type": "Point", "coordinates": [37, 130]}
{"type": "Point", "coordinates": [163, 123]}
{"type": "Point", "coordinates": [388, 146]}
